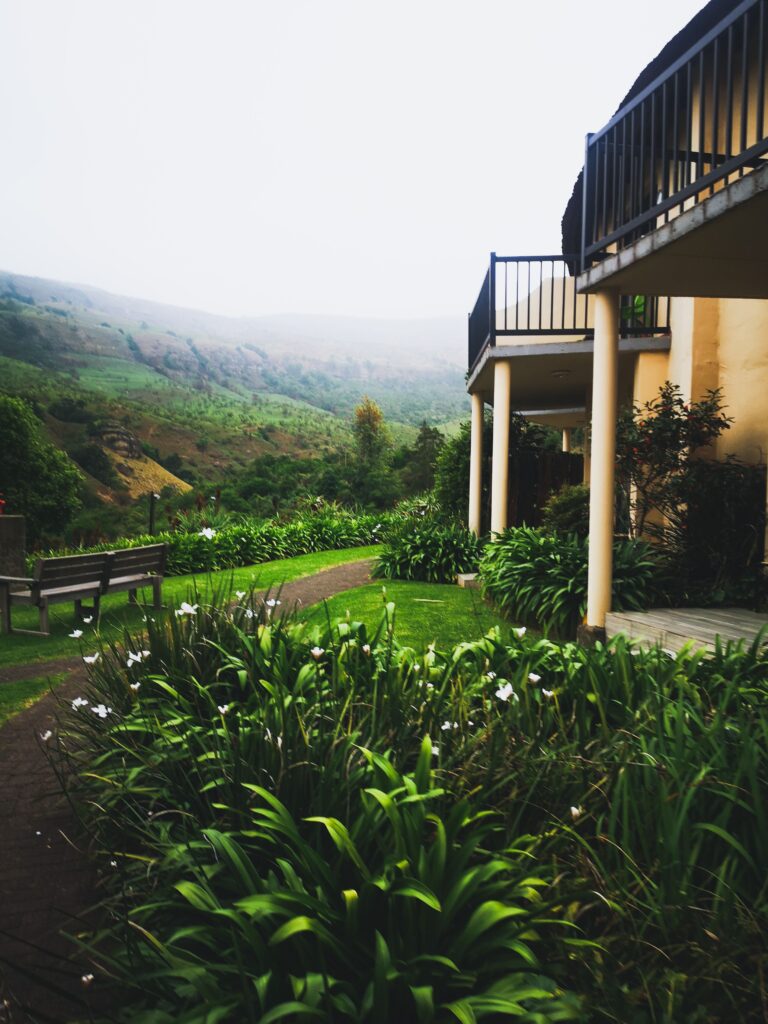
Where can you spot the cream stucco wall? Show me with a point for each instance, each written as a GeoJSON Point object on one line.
{"type": "Point", "coordinates": [718, 343]}
{"type": "Point", "coordinates": [743, 377]}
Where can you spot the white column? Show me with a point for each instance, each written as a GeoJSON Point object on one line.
{"type": "Point", "coordinates": [603, 454]}
{"type": "Point", "coordinates": [476, 466]}
{"type": "Point", "coordinates": [502, 385]}
{"type": "Point", "coordinates": [566, 439]}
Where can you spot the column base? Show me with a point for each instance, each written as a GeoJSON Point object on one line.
{"type": "Point", "coordinates": [588, 636]}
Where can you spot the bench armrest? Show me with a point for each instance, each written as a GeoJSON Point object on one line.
{"type": "Point", "coordinates": [16, 579]}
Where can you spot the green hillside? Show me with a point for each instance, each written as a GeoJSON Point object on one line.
{"type": "Point", "coordinates": [203, 394]}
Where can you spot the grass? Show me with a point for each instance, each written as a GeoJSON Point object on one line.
{"type": "Point", "coordinates": [117, 614]}
{"type": "Point", "coordinates": [424, 612]}
{"type": "Point", "coordinates": [15, 697]}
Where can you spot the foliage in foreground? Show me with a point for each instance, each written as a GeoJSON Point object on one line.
{"type": "Point", "coordinates": [542, 578]}
{"type": "Point", "coordinates": [327, 826]}
{"type": "Point", "coordinates": [427, 549]}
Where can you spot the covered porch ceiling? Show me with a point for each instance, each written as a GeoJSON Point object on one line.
{"type": "Point", "coordinates": [551, 379]}
{"type": "Point", "coordinates": [715, 249]}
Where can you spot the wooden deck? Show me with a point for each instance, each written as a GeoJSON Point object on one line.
{"type": "Point", "coordinates": [674, 627]}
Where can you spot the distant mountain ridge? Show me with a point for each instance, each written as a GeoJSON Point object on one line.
{"type": "Point", "coordinates": [410, 341]}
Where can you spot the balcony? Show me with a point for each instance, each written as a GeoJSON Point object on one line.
{"type": "Point", "coordinates": [534, 298]}
{"type": "Point", "coordinates": [688, 152]}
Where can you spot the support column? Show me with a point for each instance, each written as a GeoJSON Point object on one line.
{"type": "Point", "coordinates": [502, 386]}
{"type": "Point", "coordinates": [476, 466]}
{"type": "Point", "coordinates": [566, 439]}
{"type": "Point", "coordinates": [603, 455]}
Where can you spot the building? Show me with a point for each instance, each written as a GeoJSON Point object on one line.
{"type": "Point", "coordinates": [662, 275]}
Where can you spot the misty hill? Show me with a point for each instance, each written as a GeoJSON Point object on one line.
{"type": "Point", "coordinates": [204, 393]}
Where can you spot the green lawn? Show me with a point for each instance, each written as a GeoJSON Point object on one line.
{"type": "Point", "coordinates": [424, 612]}
{"type": "Point", "coordinates": [14, 697]}
{"type": "Point", "coordinates": [116, 613]}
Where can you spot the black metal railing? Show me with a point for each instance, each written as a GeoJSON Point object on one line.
{"type": "Point", "coordinates": [536, 296]}
{"type": "Point", "coordinates": [697, 127]}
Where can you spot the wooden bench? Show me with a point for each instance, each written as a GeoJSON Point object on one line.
{"type": "Point", "coordinates": [132, 568]}
{"type": "Point", "coordinates": [80, 578]}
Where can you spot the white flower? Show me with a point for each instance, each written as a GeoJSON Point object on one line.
{"type": "Point", "coordinates": [239, 594]}
{"type": "Point", "coordinates": [91, 659]}
{"type": "Point", "coordinates": [207, 532]}
{"type": "Point", "coordinates": [519, 632]}
{"type": "Point", "coordinates": [576, 812]}
{"type": "Point", "coordinates": [135, 687]}
{"type": "Point", "coordinates": [249, 613]}
{"type": "Point", "coordinates": [79, 702]}
{"type": "Point", "coordinates": [417, 668]}
{"type": "Point", "coordinates": [88, 620]}
{"type": "Point", "coordinates": [272, 603]}
{"type": "Point", "coordinates": [449, 725]}
{"type": "Point", "coordinates": [187, 609]}
{"type": "Point", "coordinates": [101, 710]}
{"type": "Point", "coordinates": [435, 750]}
{"type": "Point", "coordinates": [317, 653]}
{"type": "Point", "coordinates": [76, 634]}
{"type": "Point", "coordinates": [547, 693]}
{"type": "Point", "coordinates": [366, 648]}
{"type": "Point", "coordinates": [491, 676]}
{"type": "Point", "coordinates": [113, 863]}
{"type": "Point", "coordinates": [506, 691]}
{"type": "Point", "coordinates": [223, 709]}
{"type": "Point", "coordinates": [45, 736]}
{"type": "Point", "coordinates": [533, 678]}
{"type": "Point", "coordinates": [87, 979]}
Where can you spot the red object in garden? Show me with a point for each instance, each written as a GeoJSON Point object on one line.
{"type": "Point", "coordinates": [2, 504]}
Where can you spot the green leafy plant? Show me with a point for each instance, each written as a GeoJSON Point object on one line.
{"type": "Point", "coordinates": [427, 549]}
{"type": "Point", "coordinates": [318, 823]}
{"type": "Point", "coordinates": [567, 511]}
{"type": "Point", "coordinates": [542, 578]}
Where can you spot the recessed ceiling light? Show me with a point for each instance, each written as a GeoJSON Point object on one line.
{"type": "Point", "coordinates": [561, 373]}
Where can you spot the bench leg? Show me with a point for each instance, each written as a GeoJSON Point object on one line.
{"type": "Point", "coordinates": [79, 610]}
{"type": "Point", "coordinates": [157, 595]}
{"type": "Point", "coordinates": [132, 599]}
{"type": "Point", "coordinates": [97, 608]}
{"type": "Point", "coordinates": [44, 627]}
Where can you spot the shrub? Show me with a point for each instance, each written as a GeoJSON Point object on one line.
{"type": "Point", "coordinates": [428, 550]}
{"type": "Point", "coordinates": [326, 825]}
{"type": "Point", "coordinates": [567, 511]}
{"type": "Point", "coordinates": [542, 578]}
{"type": "Point", "coordinates": [250, 542]}
{"type": "Point", "coordinates": [288, 845]}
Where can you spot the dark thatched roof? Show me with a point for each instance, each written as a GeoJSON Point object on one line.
{"type": "Point", "coordinates": [698, 26]}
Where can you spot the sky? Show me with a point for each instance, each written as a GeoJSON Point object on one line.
{"type": "Point", "coordinates": [351, 157]}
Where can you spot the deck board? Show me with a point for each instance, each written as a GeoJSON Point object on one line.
{"type": "Point", "coordinates": [675, 627]}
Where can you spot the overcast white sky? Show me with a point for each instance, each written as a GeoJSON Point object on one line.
{"type": "Point", "coordinates": [315, 156]}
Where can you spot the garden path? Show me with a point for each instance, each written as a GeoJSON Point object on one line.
{"type": "Point", "coordinates": [46, 880]}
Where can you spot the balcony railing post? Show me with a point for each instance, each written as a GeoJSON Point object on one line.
{"type": "Point", "coordinates": [492, 299]}
{"type": "Point", "coordinates": [585, 203]}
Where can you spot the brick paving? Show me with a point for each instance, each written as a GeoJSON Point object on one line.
{"type": "Point", "coordinates": [46, 879]}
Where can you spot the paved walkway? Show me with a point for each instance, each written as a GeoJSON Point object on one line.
{"type": "Point", "coordinates": [46, 880]}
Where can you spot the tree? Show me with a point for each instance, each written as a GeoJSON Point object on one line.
{"type": "Point", "coordinates": [420, 460]}
{"type": "Point", "coordinates": [371, 434]}
{"type": "Point", "coordinates": [37, 479]}
{"type": "Point", "coordinates": [452, 468]}
{"type": "Point", "coordinates": [373, 481]}
{"type": "Point", "coordinates": [656, 446]}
